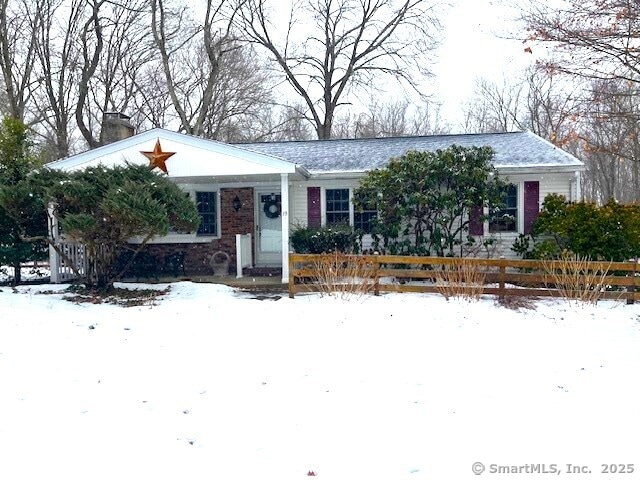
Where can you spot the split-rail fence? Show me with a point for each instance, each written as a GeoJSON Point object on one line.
{"type": "Point", "coordinates": [502, 277]}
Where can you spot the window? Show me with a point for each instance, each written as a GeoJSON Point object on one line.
{"type": "Point", "coordinates": [206, 203]}
{"type": "Point", "coordinates": [338, 205]}
{"type": "Point", "coordinates": [362, 220]}
{"type": "Point", "coordinates": [506, 218]}
{"type": "Point", "coordinates": [339, 210]}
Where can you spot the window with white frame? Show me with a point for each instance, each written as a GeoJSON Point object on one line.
{"type": "Point", "coordinates": [505, 219]}
{"type": "Point", "coordinates": [339, 210]}
{"type": "Point", "coordinates": [337, 205]}
{"type": "Point", "coordinates": [207, 205]}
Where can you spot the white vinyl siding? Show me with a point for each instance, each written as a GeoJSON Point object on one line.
{"type": "Point", "coordinates": [298, 213]}
{"type": "Point", "coordinates": [560, 183]}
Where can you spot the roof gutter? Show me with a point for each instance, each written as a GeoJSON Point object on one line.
{"type": "Point", "coordinates": [337, 175]}
{"type": "Point", "coordinates": [542, 169]}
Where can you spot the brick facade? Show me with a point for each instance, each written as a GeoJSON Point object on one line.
{"type": "Point", "coordinates": [198, 255]}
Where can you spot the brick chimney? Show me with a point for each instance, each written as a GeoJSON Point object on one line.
{"type": "Point", "coordinates": [116, 126]}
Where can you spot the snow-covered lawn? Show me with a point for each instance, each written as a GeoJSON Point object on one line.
{"type": "Point", "coordinates": [28, 273]}
{"type": "Point", "coordinates": [214, 384]}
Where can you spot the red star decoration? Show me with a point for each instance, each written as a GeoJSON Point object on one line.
{"type": "Point", "coordinates": [157, 158]}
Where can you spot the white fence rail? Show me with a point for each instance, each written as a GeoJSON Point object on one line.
{"type": "Point", "coordinates": [76, 252]}
{"type": "Point", "coordinates": [244, 256]}
{"type": "Point", "coordinates": [60, 271]}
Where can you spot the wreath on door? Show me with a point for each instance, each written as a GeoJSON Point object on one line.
{"type": "Point", "coordinates": [271, 208]}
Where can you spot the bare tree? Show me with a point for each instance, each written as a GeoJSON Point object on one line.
{"type": "Point", "coordinates": [391, 119]}
{"type": "Point", "coordinates": [58, 55]}
{"type": "Point", "coordinates": [152, 105]}
{"type": "Point", "coordinates": [546, 108]}
{"type": "Point", "coordinates": [610, 141]}
{"type": "Point", "coordinates": [592, 38]}
{"type": "Point", "coordinates": [127, 51]}
{"type": "Point", "coordinates": [541, 102]}
{"type": "Point", "coordinates": [192, 80]}
{"type": "Point", "coordinates": [18, 40]}
{"type": "Point", "coordinates": [114, 50]}
{"type": "Point", "coordinates": [241, 92]}
{"type": "Point", "coordinates": [89, 54]}
{"type": "Point", "coordinates": [495, 107]}
{"type": "Point", "coordinates": [330, 47]}
{"type": "Point", "coordinates": [552, 105]}
{"type": "Point", "coordinates": [427, 120]}
{"type": "Point", "coordinates": [92, 43]}
{"type": "Point", "coordinates": [283, 123]}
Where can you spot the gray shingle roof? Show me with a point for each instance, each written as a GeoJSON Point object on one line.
{"type": "Point", "coordinates": [513, 150]}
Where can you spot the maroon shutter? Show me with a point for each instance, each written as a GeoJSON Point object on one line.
{"type": "Point", "coordinates": [476, 225]}
{"type": "Point", "coordinates": [314, 210]}
{"type": "Point", "coordinates": [531, 204]}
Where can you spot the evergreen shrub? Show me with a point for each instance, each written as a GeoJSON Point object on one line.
{"type": "Point", "coordinates": [327, 239]}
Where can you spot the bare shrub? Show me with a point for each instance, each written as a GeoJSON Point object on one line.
{"type": "Point", "coordinates": [463, 278]}
{"type": "Point", "coordinates": [514, 302]}
{"type": "Point", "coordinates": [574, 279]}
{"type": "Point", "coordinates": [342, 275]}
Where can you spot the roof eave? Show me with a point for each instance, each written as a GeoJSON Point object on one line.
{"type": "Point", "coordinates": [338, 174]}
{"type": "Point", "coordinates": [303, 172]}
{"type": "Point", "coordinates": [540, 169]}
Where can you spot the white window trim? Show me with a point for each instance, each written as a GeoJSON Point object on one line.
{"type": "Point", "coordinates": [519, 220]}
{"type": "Point", "coordinates": [323, 204]}
{"type": "Point", "coordinates": [172, 237]}
{"type": "Point", "coordinates": [216, 190]}
{"type": "Point", "coordinates": [352, 208]}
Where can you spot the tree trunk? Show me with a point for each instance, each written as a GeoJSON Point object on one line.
{"type": "Point", "coordinates": [17, 273]}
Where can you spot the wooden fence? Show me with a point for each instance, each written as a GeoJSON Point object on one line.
{"type": "Point", "coordinates": [502, 277]}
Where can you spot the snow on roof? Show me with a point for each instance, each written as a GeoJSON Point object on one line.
{"type": "Point", "coordinates": [512, 150]}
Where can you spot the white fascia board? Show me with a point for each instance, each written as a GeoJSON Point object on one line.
{"type": "Point", "coordinates": [146, 141]}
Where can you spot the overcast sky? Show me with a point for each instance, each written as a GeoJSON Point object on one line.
{"type": "Point", "coordinates": [472, 48]}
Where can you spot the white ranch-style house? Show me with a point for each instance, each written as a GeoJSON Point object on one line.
{"type": "Point", "coordinates": [251, 196]}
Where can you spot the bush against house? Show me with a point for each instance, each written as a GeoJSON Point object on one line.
{"type": "Point", "coordinates": [424, 199]}
{"type": "Point", "coordinates": [103, 208]}
{"type": "Point", "coordinates": [327, 239]}
{"type": "Point", "coordinates": [607, 232]}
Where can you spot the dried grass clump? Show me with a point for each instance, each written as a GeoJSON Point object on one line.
{"type": "Point", "coordinates": [343, 276]}
{"type": "Point", "coordinates": [514, 302]}
{"type": "Point", "coordinates": [463, 278]}
{"type": "Point", "coordinates": [574, 279]}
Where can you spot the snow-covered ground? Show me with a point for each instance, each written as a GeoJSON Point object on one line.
{"type": "Point", "coordinates": [27, 273]}
{"type": "Point", "coordinates": [213, 384]}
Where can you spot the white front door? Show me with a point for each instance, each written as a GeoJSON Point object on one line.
{"type": "Point", "coordinates": [269, 227]}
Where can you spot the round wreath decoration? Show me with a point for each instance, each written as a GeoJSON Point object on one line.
{"type": "Point", "coordinates": [271, 208]}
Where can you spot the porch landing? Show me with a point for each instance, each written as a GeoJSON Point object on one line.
{"type": "Point", "coordinates": [245, 283]}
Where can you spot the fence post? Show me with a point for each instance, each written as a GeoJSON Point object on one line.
{"type": "Point", "coordinates": [376, 276]}
{"type": "Point", "coordinates": [632, 288]}
{"type": "Point", "coordinates": [503, 271]}
{"type": "Point", "coordinates": [292, 277]}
